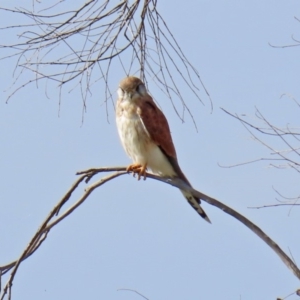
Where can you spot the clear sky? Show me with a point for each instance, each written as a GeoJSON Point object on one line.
{"type": "Point", "coordinates": [143, 235]}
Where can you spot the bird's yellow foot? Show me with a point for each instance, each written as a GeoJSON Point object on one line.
{"type": "Point", "coordinates": [138, 169]}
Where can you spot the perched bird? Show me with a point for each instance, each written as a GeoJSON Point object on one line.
{"type": "Point", "coordinates": [145, 135]}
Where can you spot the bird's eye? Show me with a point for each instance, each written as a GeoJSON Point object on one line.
{"type": "Point", "coordinates": [141, 89]}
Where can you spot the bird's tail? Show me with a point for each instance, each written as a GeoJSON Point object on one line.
{"type": "Point", "coordinates": [195, 203]}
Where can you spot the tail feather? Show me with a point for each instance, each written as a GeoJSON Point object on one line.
{"type": "Point", "coordinates": [195, 203]}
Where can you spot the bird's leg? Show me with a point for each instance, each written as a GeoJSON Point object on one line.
{"type": "Point", "coordinates": [142, 172]}
{"type": "Point", "coordinates": [137, 169]}
{"type": "Point", "coordinates": [133, 168]}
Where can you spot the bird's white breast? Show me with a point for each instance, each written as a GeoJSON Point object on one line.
{"type": "Point", "coordinates": [139, 145]}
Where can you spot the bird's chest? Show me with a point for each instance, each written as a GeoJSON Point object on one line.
{"type": "Point", "coordinates": [133, 134]}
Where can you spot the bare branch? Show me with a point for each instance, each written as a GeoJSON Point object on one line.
{"type": "Point", "coordinates": [286, 158]}
{"type": "Point", "coordinates": [290, 155]}
{"type": "Point", "coordinates": [274, 205]}
{"type": "Point", "coordinates": [53, 219]}
{"type": "Point", "coordinates": [134, 291]}
{"type": "Point", "coordinates": [72, 48]}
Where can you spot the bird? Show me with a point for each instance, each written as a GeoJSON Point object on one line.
{"type": "Point", "coordinates": [146, 138]}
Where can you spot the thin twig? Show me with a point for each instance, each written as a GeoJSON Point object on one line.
{"type": "Point", "coordinates": [72, 48]}
{"type": "Point", "coordinates": [134, 291]}
{"type": "Point", "coordinates": [49, 223]}
{"type": "Point", "coordinates": [274, 205]}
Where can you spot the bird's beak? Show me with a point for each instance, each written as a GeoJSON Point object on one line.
{"type": "Point", "coordinates": [128, 95]}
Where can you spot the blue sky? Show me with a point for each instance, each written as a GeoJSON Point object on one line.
{"type": "Point", "coordinates": [143, 235]}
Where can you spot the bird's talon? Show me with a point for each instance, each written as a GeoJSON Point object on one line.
{"type": "Point", "coordinates": [137, 169]}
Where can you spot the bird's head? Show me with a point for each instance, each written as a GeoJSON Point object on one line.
{"type": "Point", "coordinates": [131, 88]}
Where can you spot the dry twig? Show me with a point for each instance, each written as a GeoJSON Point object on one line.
{"type": "Point", "coordinates": [78, 47]}
{"type": "Point", "coordinates": [52, 220]}
{"type": "Point", "coordinates": [286, 158]}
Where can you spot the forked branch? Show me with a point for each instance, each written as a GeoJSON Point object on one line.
{"type": "Point", "coordinates": [78, 47]}
{"type": "Point", "coordinates": [55, 217]}
{"type": "Point", "coordinates": [282, 143]}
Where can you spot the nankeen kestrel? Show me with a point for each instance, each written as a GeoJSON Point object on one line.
{"type": "Point", "coordinates": [145, 135]}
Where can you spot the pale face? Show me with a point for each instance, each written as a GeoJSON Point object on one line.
{"type": "Point", "coordinates": [129, 93]}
